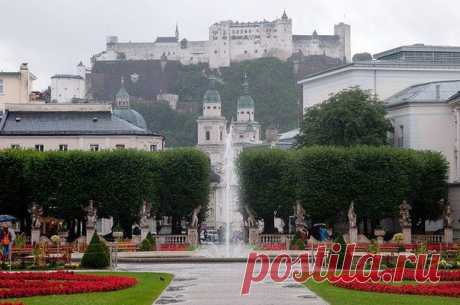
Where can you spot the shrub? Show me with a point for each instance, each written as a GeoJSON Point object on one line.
{"type": "Point", "coordinates": [343, 245]}
{"type": "Point", "coordinates": [148, 244]}
{"type": "Point", "coordinates": [96, 255]}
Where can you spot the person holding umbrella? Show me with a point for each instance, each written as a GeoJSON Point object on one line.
{"type": "Point", "coordinates": [7, 238]}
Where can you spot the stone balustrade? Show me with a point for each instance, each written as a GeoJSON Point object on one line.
{"type": "Point", "coordinates": [172, 239]}
{"type": "Point", "coordinates": [428, 238]}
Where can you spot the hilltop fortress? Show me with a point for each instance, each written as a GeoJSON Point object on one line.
{"type": "Point", "coordinates": [231, 41]}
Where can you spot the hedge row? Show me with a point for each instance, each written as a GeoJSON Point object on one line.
{"type": "Point", "coordinates": [174, 181]}
{"type": "Point", "coordinates": [326, 179]}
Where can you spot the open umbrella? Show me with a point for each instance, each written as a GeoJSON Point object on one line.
{"type": "Point", "coordinates": [7, 218]}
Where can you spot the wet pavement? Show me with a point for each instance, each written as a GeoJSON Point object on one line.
{"type": "Point", "coordinates": [220, 284]}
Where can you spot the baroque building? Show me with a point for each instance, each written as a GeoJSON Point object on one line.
{"type": "Point", "coordinates": [232, 41]}
{"type": "Point", "coordinates": [216, 138]}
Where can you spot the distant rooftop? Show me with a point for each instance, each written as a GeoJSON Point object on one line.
{"type": "Point", "coordinates": [382, 64]}
{"type": "Point", "coordinates": [67, 76]}
{"type": "Point", "coordinates": [440, 91]}
{"type": "Point", "coordinates": [166, 39]}
{"type": "Point", "coordinates": [66, 119]}
{"type": "Point", "coordinates": [422, 53]}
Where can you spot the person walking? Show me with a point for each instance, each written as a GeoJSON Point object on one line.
{"type": "Point", "coordinates": [7, 237]}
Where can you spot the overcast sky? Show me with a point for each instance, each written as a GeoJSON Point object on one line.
{"type": "Point", "coordinates": [54, 35]}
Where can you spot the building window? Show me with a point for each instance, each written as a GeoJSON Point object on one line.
{"type": "Point", "coordinates": [221, 137]}
{"type": "Point", "coordinates": [153, 147]}
{"type": "Point", "coordinates": [94, 147]}
{"type": "Point", "coordinates": [401, 136]}
{"type": "Point", "coordinates": [2, 87]}
{"type": "Point", "coordinates": [39, 147]}
{"type": "Point", "coordinates": [208, 135]}
{"type": "Point", "coordinates": [120, 146]}
{"type": "Point", "coordinates": [63, 147]}
{"type": "Point", "coordinates": [15, 146]}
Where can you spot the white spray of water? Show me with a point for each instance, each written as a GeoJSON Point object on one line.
{"type": "Point", "coordinates": [229, 171]}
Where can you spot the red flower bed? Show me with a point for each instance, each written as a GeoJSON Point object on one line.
{"type": "Point", "coordinates": [275, 246]}
{"type": "Point", "coordinates": [26, 284]}
{"type": "Point", "coordinates": [449, 285]}
{"type": "Point", "coordinates": [9, 303]}
{"type": "Point", "coordinates": [173, 247]}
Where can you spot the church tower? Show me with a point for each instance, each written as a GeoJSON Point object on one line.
{"type": "Point", "coordinates": [246, 129]}
{"type": "Point", "coordinates": [212, 126]}
{"type": "Point", "coordinates": [122, 97]}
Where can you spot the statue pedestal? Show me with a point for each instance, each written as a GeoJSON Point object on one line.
{"type": "Point", "coordinates": [89, 235]}
{"type": "Point", "coordinates": [448, 235]}
{"type": "Point", "coordinates": [353, 235]}
{"type": "Point", "coordinates": [407, 235]}
{"type": "Point", "coordinates": [192, 235]}
{"type": "Point", "coordinates": [35, 236]}
{"type": "Point", "coordinates": [379, 233]}
{"type": "Point", "coordinates": [253, 236]}
{"type": "Point", "coordinates": [144, 232]}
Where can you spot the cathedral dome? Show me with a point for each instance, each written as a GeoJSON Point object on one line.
{"type": "Point", "coordinates": [211, 95]}
{"type": "Point", "coordinates": [245, 101]}
{"type": "Point", "coordinates": [132, 116]}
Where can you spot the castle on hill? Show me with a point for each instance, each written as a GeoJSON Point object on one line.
{"type": "Point", "coordinates": [231, 41]}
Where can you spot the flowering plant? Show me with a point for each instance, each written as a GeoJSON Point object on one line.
{"type": "Point", "coordinates": [26, 284]}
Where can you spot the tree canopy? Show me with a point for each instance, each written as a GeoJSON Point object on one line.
{"type": "Point", "coordinates": [174, 182]}
{"type": "Point", "coordinates": [326, 179]}
{"type": "Point", "coordinates": [350, 117]}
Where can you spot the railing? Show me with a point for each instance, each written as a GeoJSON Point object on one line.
{"type": "Point", "coordinates": [172, 239]}
{"type": "Point", "coordinates": [275, 238]}
{"type": "Point", "coordinates": [428, 238]}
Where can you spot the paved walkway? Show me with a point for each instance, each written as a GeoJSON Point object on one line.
{"type": "Point", "coordinates": [220, 284]}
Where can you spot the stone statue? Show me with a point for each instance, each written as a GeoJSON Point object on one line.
{"type": "Point", "coordinates": [145, 215]}
{"type": "Point", "coordinates": [352, 219]}
{"type": "Point", "coordinates": [299, 215]}
{"type": "Point", "coordinates": [252, 222]}
{"type": "Point", "coordinates": [447, 214]}
{"type": "Point", "coordinates": [91, 215]}
{"type": "Point", "coordinates": [195, 220]}
{"type": "Point", "coordinates": [404, 214]}
{"type": "Point", "coordinates": [36, 212]}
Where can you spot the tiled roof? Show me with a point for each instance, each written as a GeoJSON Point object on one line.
{"type": "Point", "coordinates": [166, 40]}
{"type": "Point", "coordinates": [67, 76]}
{"type": "Point", "coordinates": [439, 91]}
{"type": "Point", "coordinates": [67, 123]}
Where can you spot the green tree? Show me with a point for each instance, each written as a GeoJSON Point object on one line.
{"type": "Point", "coordinates": [96, 255]}
{"type": "Point", "coordinates": [350, 117]}
{"type": "Point", "coordinates": [267, 184]}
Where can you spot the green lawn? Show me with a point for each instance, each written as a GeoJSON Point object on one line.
{"type": "Point", "coordinates": [341, 296]}
{"type": "Point", "coordinates": [144, 293]}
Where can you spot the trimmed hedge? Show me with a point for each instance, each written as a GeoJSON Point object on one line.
{"type": "Point", "coordinates": [326, 179]}
{"type": "Point", "coordinates": [173, 181]}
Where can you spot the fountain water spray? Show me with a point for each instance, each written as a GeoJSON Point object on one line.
{"type": "Point", "coordinates": [229, 171]}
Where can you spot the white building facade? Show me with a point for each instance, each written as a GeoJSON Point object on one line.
{"type": "Point", "coordinates": [16, 87]}
{"type": "Point", "coordinates": [213, 138]}
{"type": "Point", "coordinates": [231, 41]}
{"type": "Point", "coordinates": [381, 78]}
{"type": "Point", "coordinates": [391, 71]}
{"type": "Point", "coordinates": [66, 88]}
{"type": "Point", "coordinates": [427, 117]}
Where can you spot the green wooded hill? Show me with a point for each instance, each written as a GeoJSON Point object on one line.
{"type": "Point", "coordinates": [272, 84]}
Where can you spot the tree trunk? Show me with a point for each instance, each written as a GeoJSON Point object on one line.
{"type": "Point", "coordinates": [269, 225]}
